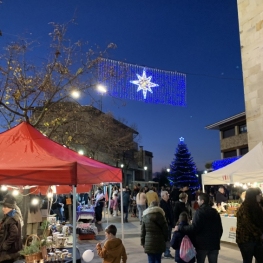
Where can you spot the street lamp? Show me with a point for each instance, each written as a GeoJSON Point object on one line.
{"type": "Point", "coordinates": [75, 94]}
{"type": "Point", "coordinates": [144, 171]}
{"type": "Point", "coordinates": [81, 152]}
{"type": "Point", "coordinates": [168, 170]}
{"type": "Point", "coordinates": [102, 90]}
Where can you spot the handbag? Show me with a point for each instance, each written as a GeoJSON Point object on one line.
{"type": "Point", "coordinates": [187, 250]}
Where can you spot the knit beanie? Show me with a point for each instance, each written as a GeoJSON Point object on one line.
{"type": "Point", "coordinates": [9, 201]}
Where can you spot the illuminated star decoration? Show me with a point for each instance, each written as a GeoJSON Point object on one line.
{"type": "Point", "coordinates": [181, 139]}
{"type": "Point", "coordinates": [144, 83]}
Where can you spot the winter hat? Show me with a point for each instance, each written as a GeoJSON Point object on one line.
{"type": "Point", "coordinates": [9, 201]}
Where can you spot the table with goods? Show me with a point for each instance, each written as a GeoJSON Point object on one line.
{"type": "Point", "coordinates": [229, 221]}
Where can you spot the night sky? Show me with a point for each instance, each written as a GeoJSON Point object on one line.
{"type": "Point", "coordinates": [198, 38]}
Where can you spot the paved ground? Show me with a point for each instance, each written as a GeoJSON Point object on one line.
{"type": "Point", "coordinates": [228, 253]}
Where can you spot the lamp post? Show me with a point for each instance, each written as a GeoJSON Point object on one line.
{"type": "Point", "coordinates": [144, 172]}
{"type": "Point", "coordinates": [102, 90]}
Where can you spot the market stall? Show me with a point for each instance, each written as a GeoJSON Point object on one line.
{"type": "Point", "coordinates": [30, 158]}
{"type": "Point", "coordinates": [244, 172]}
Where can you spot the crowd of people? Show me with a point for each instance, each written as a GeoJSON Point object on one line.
{"type": "Point", "coordinates": [165, 222]}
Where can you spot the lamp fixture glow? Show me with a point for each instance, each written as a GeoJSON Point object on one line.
{"type": "Point", "coordinates": [35, 201]}
{"type": "Point", "coordinates": [145, 168]}
{"type": "Point", "coordinates": [3, 188]}
{"type": "Point", "coordinates": [75, 94]}
{"type": "Point", "coordinates": [101, 89]}
{"type": "Point", "coordinates": [15, 192]}
{"type": "Point", "coordinates": [81, 152]}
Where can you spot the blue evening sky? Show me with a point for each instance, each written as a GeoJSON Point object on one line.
{"type": "Point", "coordinates": [199, 38]}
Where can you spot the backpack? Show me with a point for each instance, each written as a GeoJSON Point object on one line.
{"type": "Point", "coordinates": [187, 250]}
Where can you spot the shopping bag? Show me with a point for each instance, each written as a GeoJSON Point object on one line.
{"type": "Point", "coordinates": [187, 250]}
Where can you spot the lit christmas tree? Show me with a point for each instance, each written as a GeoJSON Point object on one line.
{"type": "Point", "coordinates": [183, 169]}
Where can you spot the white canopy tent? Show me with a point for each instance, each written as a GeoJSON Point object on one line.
{"type": "Point", "coordinates": [247, 169]}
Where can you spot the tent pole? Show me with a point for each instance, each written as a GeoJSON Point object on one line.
{"type": "Point", "coordinates": [109, 201]}
{"type": "Point", "coordinates": [74, 224]}
{"type": "Point", "coordinates": [122, 215]}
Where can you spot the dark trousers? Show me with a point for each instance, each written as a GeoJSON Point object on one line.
{"type": "Point", "coordinates": [250, 249]}
{"type": "Point", "coordinates": [211, 254]}
{"type": "Point", "coordinates": [125, 211]}
{"type": "Point", "coordinates": [154, 258]}
{"type": "Point", "coordinates": [98, 213]}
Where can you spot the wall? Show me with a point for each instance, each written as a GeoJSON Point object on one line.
{"type": "Point", "coordinates": [250, 13]}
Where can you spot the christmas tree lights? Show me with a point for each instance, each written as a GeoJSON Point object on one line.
{"type": "Point", "coordinates": [183, 169]}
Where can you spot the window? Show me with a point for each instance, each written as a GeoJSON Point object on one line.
{"type": "Point", "coordinates": [228, 133]}
{"type": "Point", "coordinates": [230, 154]}
{"type": "Point", "coordinates": [242, 128]}
{"type": "Point", "coordinates": [243, 151]}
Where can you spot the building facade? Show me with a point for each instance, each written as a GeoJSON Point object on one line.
{"type": "Point", "coordinates": [99, 136]}
{"type": "Point", "coordinates": [232, 134]}
{"type": "Point", "coordinates": [250, 16]}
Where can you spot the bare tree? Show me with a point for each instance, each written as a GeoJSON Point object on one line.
{"type": "Point", "coordinates": [26, 82]}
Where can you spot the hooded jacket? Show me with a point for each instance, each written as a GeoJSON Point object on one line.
{"type": "Point", "coordinates": [113, 251]}
{"type": "Point", "coordinates": [154, 231]}
{"type": "Point", "coordinates": [10, 236]}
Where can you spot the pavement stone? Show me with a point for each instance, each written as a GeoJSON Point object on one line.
{"type": "Point", "coordinates": [228, 253]}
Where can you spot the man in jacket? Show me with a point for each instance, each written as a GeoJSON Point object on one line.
{"type": "Point", "coordinates": [182, 206]}
{"type": "Point", "coordinates": [167, 208]}
{"type": "Point", "coordinates": [207, 229]}
{"type": "Point", "coordinates": [126, 201]}
{"type": "Point", "coordinates": [10, 231]}
{"type": "Point", "coordinates": [154, 232]}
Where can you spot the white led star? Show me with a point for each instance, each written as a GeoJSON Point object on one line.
{"type": "Point", "coordinates": [144, 83]}
{"type": "Point", "coordinates": [181, 139]}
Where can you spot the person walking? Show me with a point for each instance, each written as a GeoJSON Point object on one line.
{"type": "Point", "coordinates": [249, 233]}
{"type": "Point", "coordinates": [141, 203]}
{"type": "Point", "coordinates": [178, 237]}
{"type": "Point", "coordinates": [182, 206]}
{"type": "Point", "coordinates": [99, 204]}
{"type": "Point", "coordinates": [126, 203]}
{"type": "Point", "coordinates": [151, 196]}
{"type": "Point", "coordinates": [207, 230]}
{"type": "Point", "coordinates": [154, 232]}
{"type": "Point", "coordinates": [10, 231]}
{"type": "Point", "coordinates": [167, 208]}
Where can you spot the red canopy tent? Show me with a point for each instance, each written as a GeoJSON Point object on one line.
{"type": "Point", "coordinates": [27, 157]}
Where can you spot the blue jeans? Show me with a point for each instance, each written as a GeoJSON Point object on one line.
{"type": "Point", "coordinates": [211, 254]}
{"type": "Point", "coordinates": [154, 258]}
{"type": "Point", "coordinates": [250, 249]}
{"type": "Point", "coordinates": [141, 208]}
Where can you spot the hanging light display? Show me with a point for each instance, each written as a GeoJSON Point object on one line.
{"type": "Point", "coordinates": [128, 81]}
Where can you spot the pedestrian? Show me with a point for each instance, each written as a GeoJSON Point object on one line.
{"type": "Point", "coordinates": [141, 203]}
{"type": "Point", "coordinates": [167, 208]}
{"type": "Point", "coordinates": [10, 231]}
{"type": "Point", "coordinates": [221, 196]}
{"type": "Point", "coordinates": [99, 204]}
{"type": "Point", "coordinates": [151, 196]}
{"type": "Point", "coordinates": [177, 238]}
{"type": "Point", "coordinates": [126, 202]}
{"type": "Point", "coordinates": [182, 206]}
{"type": "Point", "coordinates": [207, 230]}
{"type": "Point", "coordinates": [154, 232]}
{"type": "Point", "coordinates": [113, 250]}
{"type": "Point", "coordinates": [249, 233]}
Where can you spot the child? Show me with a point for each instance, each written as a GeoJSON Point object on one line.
{"type": "Point", "coordinates": [113, 250]}
{"type": "Point", "coordinates": [177, 238]}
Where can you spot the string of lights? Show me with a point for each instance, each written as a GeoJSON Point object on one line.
{"type": "Point", "coordinates": [128, 81]}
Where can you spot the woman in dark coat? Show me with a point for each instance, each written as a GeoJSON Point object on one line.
{"type": "Point", "coordinates": [154, 232]}
{"type": "Point", "coordinates": [10, 232]}
{"type": "Point", "coordinates": [249, 233]}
